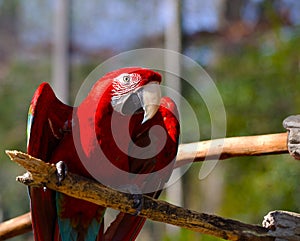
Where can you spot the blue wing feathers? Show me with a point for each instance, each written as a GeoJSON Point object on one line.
{"type": "Point", "coordinates": [93, 231]}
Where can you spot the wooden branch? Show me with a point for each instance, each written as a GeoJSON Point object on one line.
{"type": "Point", "coordinates": [283, 225]}
{"type": "Point", "coordinates": [43, 174]}
{"type": "Point", "coordinates": [292, 124]}
{"type": "Point", "coordinates": [15, 226]}
{"type": "Point", "coordinates": [187, 153]}
{"type": "Point", "coordinates": [232, 147]}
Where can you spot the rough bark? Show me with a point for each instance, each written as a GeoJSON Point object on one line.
{"type": "Point", "coordinates": [283, 225]}
{"type": "Point", "coordinates": [292, 124]}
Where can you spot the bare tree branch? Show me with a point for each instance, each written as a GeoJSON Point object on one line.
{"type": "Point", "coordinates": [232, 147]}
{"type": "Point", "coordinates": [43, 174]}
{"type": "Point", "coordinates": [283, 225]}
{"type": "Point", "coordinates": [15, 226]}
{"type": "Point", "coordinates": [292, 124]}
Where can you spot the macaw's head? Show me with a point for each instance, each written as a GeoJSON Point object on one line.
{"type": "Point", "coordinates": [136, 90]}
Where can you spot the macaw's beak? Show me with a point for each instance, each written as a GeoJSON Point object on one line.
{"type": "Point", "coordinates": [145, 98]}
{"type": "Point", "coordinates": [150, 96]}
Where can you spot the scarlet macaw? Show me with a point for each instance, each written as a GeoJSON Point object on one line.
{"type": "Point", "coordinates": [129, 97]}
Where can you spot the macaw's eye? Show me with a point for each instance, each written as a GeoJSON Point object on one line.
{"type": "Point", "coordinates": [126, 78]}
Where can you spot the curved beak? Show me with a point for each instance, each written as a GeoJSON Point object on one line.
{"type": "Point", "coordinates": [146, 98]}
{"type": "Point", "coordinates": [150, 96]}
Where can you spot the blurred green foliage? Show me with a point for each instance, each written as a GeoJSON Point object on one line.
{"type": "Point", "coordinates": [16, 90]}
{"type": "Point", "coordinates": [260, 88]}
{"type": "Point", "coordinates": [259, 83]}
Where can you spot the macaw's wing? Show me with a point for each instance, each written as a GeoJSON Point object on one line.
{"type": "Point", "coordinates": [156, 161]}
{"type": "Point", "coordinates": [48, 119]}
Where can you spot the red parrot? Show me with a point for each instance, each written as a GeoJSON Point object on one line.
{"type": "Point", "coordinates": [123, 123]}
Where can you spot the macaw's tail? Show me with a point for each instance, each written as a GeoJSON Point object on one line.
{"type": "Point", "coordinates": [125, 227]}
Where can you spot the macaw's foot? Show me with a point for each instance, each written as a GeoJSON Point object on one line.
{"type": "Point", "coordinates": [136, 194]}
{"type": "Point", "coordinates": [61, 172]}
{"type": "Point", "coordinates": [137, 203]}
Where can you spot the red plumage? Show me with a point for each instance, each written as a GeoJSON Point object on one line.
{"type": "Point", "coordinates": [101, 122]}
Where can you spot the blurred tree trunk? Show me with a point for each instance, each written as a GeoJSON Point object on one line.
{"type": "Point", "coordinates": [211, 187]}
{"type": "Point", "coordinates": [221, 7]}
{"type": "Point", "coordinates": [233, 9]}
{"type": "Point", "coordinates": [60, 78]}
{"type": "Point", "coordinates": [173, 40]}
{"type": "Point", "coordinates": [9, 12]}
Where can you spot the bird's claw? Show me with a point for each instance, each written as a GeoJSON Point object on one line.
{"type": "Point", "coordinates": [135, 193]}
{"type": "Point", "coordinates": [61, 172]}
{"type": "Point", "coordinates": [137, 203]}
